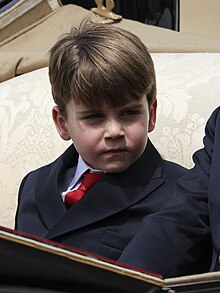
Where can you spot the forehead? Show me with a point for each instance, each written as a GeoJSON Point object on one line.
{"type": "Point", "coordinates": [81, 107]}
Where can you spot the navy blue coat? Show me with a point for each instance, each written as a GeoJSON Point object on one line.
{"type": "Point", "coordinates": [111, 219]}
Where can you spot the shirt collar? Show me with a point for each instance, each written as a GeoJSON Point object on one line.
{"type": "Point", "coordinates": [81, 168]}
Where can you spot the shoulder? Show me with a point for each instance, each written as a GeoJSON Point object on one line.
{"type": "Point", "coordinates": [212, 121]}
{"type": "Point", "coordinates": [215, 113]}
{"type": "Point", "coordinates": [67, 159]}
{"type": "Point", "coordinates": [212, 131]}
{"type": "Point", "coordinates": [174, 170]}
{"type": "Point", "coordinates": [164, 166]}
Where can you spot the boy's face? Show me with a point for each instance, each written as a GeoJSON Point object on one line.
{"type": "Point", "coordinates": [109, 139]}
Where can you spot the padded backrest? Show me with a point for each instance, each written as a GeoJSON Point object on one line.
{"type": "Point", "coordinates": [188, 91]}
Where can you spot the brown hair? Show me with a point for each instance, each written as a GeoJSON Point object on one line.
{"type": "Point", "coordinates": [100, 63]}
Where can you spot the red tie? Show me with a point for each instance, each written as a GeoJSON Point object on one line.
{"type": "Point", "coordinates": [89, 179]}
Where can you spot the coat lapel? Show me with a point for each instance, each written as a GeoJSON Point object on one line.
{"type": "Point", "coordinates": [48, 198]}
{"type": "Point", "coordinates": [112, 194]}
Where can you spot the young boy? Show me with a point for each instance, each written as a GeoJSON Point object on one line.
{"type": "Point", "coordinates": [104, 86]}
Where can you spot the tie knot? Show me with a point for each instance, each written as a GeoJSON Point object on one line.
{"type": "Point", "coordinates": [89, 179]}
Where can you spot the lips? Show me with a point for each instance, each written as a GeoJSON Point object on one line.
{"type": "Point", "coordinates": [115, 151]}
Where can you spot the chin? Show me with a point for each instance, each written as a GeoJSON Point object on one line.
{"type": "Point", "coordinates": [115, 169]}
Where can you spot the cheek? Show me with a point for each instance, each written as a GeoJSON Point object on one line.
{"type": "Point", "coordinates": [139, 132]}
{"type": "Point", "coordinates": [85, 140]}
{"type": "Point", "coordinates": [138, 140]}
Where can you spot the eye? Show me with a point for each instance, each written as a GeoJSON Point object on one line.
{"type": "Point", "coordinates": [131, 113]}
{"type": "Point", "coordinates": [93, 116]}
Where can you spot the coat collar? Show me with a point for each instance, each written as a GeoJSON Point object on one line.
{"type": "Point", "coordinates": [112, 194]}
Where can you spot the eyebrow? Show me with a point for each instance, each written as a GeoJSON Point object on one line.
{"type": "Point", "coordinates": [83, 112]}
{"type": "Point", "coordinates": [130, 106]}
{"type": "Point", "coordinates": [127, 106]}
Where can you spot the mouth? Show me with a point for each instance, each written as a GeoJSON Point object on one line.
{"type": "Point", "coordinates": [115, 151]}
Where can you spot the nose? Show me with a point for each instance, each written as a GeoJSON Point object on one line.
{"type": "Point", "coordinates": [114, 129]}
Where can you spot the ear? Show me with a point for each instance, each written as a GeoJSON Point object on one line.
{"type": "Point", "coordinates": [152, 116]}
{"type": "Point", "coordinates": [61, 123]}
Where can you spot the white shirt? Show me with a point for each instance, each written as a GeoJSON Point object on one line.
{"type": "Point", "coordinates": [81, 168]}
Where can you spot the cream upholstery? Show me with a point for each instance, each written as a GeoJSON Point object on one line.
{"type": "Point", "coordinates": [188, 91]}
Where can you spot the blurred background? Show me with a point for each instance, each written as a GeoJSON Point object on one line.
{"type": "Point", "coordinates": [163, 13]}
{"type": "Point", "coordinates": [199, 17]}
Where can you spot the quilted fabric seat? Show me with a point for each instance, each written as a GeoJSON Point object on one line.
{"type": "Point", "coordinates": [188, 91]}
